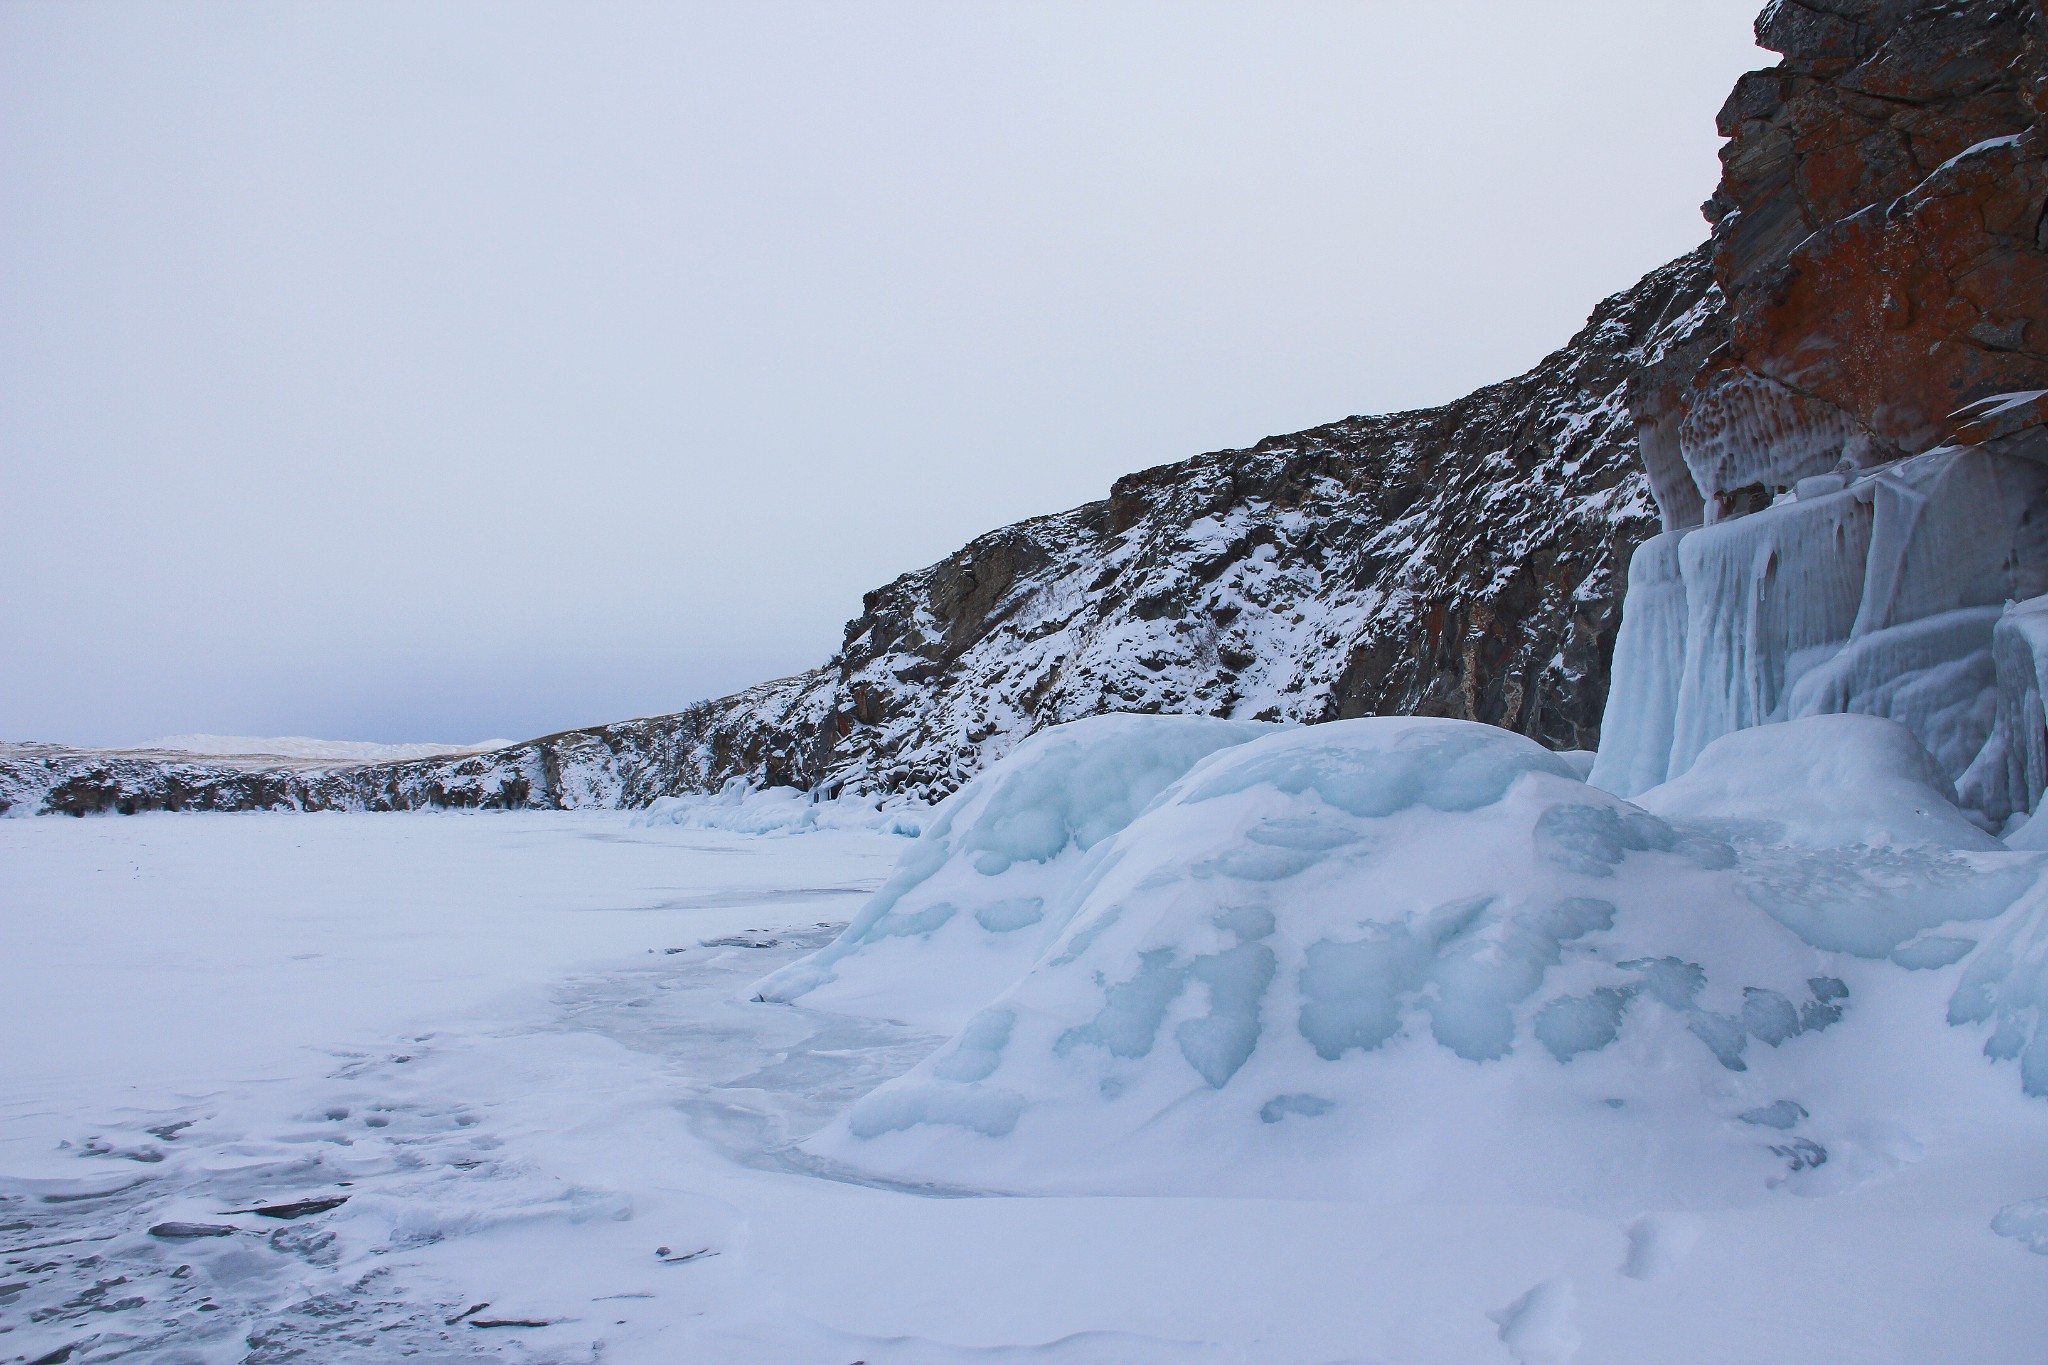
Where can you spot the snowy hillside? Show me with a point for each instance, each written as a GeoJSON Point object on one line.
{"type": "Point", "coordinates": [1464, 561]}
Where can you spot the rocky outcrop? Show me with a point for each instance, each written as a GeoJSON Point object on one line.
{"type": "Point", "coordinates": [1866, 523]}
{"type": "Point", "coordinates": [1881, 237]}
{"type": "Point", "coordinates": [1460, 561]}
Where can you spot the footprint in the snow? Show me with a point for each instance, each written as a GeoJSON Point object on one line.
{"type": "Point", "coordinates": [1537, 1328]}
{"type": "Point", "coordinates": [1657, 1242]}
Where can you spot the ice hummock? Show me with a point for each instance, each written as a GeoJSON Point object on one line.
{"type": "Point", "coordinates": [1381, 954]}
{"type": "Point", "coordinates": [984, 889]}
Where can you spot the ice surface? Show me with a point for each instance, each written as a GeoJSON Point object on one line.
{"type": "Point", "coordinates": [1880, 597]}
{"type": "Point", "coordinates": [978, 897]}
{"type": "Point", "coordinates": [1417, 933]}
{"type": "Point", "coordinates": [1951, 529]}
{"type": "Point", "coordinates": [464, 1019]}
{"type": "Point", "coordinates": [2010, 774]}
{"type": "Point", "coordinates": [1935, 676]}
{"type": "Point", "coordinates": [1580, 761]}
{"type": "Point", "coordinates": [2005, 984]}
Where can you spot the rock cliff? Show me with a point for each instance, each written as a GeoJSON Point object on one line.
{"type": "Point", "coordinates": [1854, 481]}
{"type": "Point", "coordinates": [1880, 236]}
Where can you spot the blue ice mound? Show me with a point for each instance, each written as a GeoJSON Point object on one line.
{"type": "Point", "coordinates": [974, 901]}
{"type": "Point", "coordinates": [1370, 953]}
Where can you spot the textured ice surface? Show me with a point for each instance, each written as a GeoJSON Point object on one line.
{"type": "Point", "coordinates": [1881, 596]}
{"type": "Point", "coordinates": [1369, 949]}
{"type": "Point", "coordinates": [1859, 848]}
{"type": "Point", "coordinates": [1934, 676]}
{"type": "Point", "coordinates": [2005, 984]}
{"type": "Point", "coordinates": [1756, 431]}
{"type": "Point", "coordinates": [976, 899]}
{"type": "Point", "coordinates": [2009, 775]}
{"type": "Point", "coordinates": [1952, 529]}
{"type": "Point", "coordinates": [1649, 662]}
{"type": "Point", "coordinates": [1758, 590]}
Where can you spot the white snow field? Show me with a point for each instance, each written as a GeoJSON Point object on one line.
{"type": "Point", "coordinates": [1380, 1041]}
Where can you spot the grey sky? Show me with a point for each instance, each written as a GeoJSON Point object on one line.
{"type": "Point", "coordinates": [434, 370]}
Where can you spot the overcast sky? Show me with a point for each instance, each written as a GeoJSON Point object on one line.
{"type": "Point", "coordinates": [429, 370]}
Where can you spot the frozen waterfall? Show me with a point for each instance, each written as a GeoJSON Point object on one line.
{"type": "Point", "coordinates": [1879, 592]}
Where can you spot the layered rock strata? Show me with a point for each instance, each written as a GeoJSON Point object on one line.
{"type": "Point", "coordinates": [1881, 236]}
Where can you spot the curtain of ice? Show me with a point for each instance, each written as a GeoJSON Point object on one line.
{"type": "Point", "coordinates": [1882, 597]}
{"type": "Point", "coordinates": [1758, 589]}
{"type": "Point", "coordinates": [1649, 660]}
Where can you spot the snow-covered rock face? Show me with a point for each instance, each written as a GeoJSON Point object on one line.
{"type": "Point", "coordinates": [1463, 560]}
{"type": "Point", "coordinates": [1460, 561]}
{"type": "Point", "coordinates": [1383, 955]}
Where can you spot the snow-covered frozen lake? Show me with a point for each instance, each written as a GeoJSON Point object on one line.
{"type": "Point", "coordinates": [520, 1047]}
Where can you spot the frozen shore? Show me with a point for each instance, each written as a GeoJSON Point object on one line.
{"type": "Point", "coordinates": [472, 1028]}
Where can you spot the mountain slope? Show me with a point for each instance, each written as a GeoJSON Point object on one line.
{"type": "Point", "coordinates": [1457, 561]}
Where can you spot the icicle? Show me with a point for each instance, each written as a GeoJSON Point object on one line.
{"type": "Point", "coordinates": [2011, 772]}
{"type": "Point", "coordinates": [1946, 535]}
{"type": "Point", "coordinates": [1758, 590]}
{"type": "Point", "coordinates": [1934, 676]}
{"type": "Point", "coordinates": [1751, 430]}
{"type": "Point", "coordinates": [1649, 658]}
